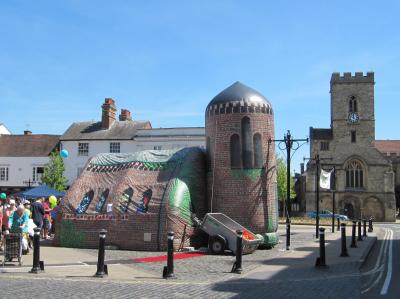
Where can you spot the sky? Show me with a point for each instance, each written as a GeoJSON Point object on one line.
{"type": "Point", "coordinates": [166, 60]}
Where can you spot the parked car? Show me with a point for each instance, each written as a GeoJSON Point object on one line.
{"type": "Point", "coordinates": [326, 214]}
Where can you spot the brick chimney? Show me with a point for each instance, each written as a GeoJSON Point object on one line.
{"type": "Point", "coordinates": [108, 115]}
{"type": "Point", "coordinates": [125, 115]}
{"type": "Point", "coordinates": [27, 132]}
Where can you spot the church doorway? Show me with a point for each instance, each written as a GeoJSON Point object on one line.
{"type": "Point", "coordinates": [349, 210]}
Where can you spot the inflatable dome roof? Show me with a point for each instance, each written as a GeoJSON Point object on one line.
{"type": "Point", "coordinates": [238, 92]}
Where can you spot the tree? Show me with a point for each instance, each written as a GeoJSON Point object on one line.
{"type": "Point", "coordinates": [53, 175]}
{"type": "Point", "coordinates": [281, 170]}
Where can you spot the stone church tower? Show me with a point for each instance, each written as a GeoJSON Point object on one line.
{"type": "Point", "coordinates": [241, 177]}
{"type": "Point", "coordinates": [364, 177]}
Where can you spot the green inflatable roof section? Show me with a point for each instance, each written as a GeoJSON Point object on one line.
{"type": "Point", "coordinates": [147, 156]}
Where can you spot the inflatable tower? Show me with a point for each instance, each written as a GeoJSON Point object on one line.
{"type": "Point", "coordinates": [241, 173]}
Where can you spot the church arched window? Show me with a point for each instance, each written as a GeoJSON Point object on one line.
{"type": "Point", "coordinates": [258, 155]}
{"type": "Point", "coordinates": [353, 104]}
{"type": "Point", "coordinates": [354, 175]}
{"type": "Point", "coordinates": [235, 151]}
{"type": "Point", "coordinates": [247, 148]}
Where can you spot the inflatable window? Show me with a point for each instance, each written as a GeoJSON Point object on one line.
{"type": "Point", "coordinates": [125, 200]}
{"type": "Point", "coordinates": [87, 199]}
{"type": "Point", "coordinates": [102, 200]}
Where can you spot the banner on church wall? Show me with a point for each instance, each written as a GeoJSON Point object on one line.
{"type": "Point", "coordinates": [325, 179]}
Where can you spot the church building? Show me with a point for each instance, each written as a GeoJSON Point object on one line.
{"type": "Point", "coordinates": [365, 176]}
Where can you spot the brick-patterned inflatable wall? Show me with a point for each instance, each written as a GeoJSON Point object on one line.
{"type": "Point", "coordinates": [242, 187]}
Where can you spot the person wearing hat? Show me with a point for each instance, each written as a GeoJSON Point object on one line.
{"type": "Point", "coordinates": [27, 206]}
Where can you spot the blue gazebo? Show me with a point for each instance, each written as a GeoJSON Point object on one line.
{"type": "Point", "coordinates": [40, 191]}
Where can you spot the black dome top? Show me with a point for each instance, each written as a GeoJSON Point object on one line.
{"type": "Point", "coordinates": [239, 92]}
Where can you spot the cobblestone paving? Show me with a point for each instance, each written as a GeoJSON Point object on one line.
{"type": "Point", "coordinates": [199, 277]}
{"type": "Point", "coordinates": [300, 285]}
{"type": "Point", "coordinates": [211, 268]}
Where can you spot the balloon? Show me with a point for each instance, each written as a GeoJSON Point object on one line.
{"type": "Point", "coordinates": [64, 153]}
{"type": "Point", "coordinates": [52, 201]}
{"type": "Point", "coordinates": [3, 195]}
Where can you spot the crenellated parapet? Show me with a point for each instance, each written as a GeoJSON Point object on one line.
{"type": "Point", "coordinates": [348, 77]}
{"type": "Point", "coordinates": [238, 107]}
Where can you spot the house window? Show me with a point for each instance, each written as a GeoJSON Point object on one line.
{"type": "Point", "coordinates": [258, 156]}
{"type": "Point", "coordinates": [354, 175]}
{"type": "Point", "coordinates": [115, 147]}
{"type": "Point", "coordinates": [353, 136]}
{"type": "Point", "coordinates": [157, 147]}
{"type": "Point", "coordinates": [247, 148]}
{"type": "Point", "coordinates": [353, 104]}
{"type": "Point", "coordinates": [37, 174]}
{"type": "Point", "coordinates": [235, 151]}
{"type": "Point", "coordinates": [83, 149]}
{"type": "Point", "coordinates": [3, 173]}
{"type": "Point", "coordinates": [324, 146]}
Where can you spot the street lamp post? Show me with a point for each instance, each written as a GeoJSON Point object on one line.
{"type": "Point", "coordinates": [290, 144]}
{"type": "Point", "coordinates": [317, 160]}
{"type": "Point", "coordinates": [28, 182]}
{"type": "Point", "coordinates": [333, 197]}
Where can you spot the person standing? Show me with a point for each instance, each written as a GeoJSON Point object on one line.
{"type": "Point", "coordinates": [37, 213]}
{"type": "Point", "coordinates": [8, 211]}
{"type": "Point", "coordinates": [46, 218]}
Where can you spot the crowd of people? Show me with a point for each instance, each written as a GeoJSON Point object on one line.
{"type": "Point", "coordinates": [19, 215]}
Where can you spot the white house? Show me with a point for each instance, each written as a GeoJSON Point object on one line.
{"type": "Point", "coordinates": [170, 138]}
{"type": "Point", "coordinates": [83, 140]}
{"type": "Point", "coordinates": [4, 130]}
{"type": "Point", "coordinates": [22, 159]}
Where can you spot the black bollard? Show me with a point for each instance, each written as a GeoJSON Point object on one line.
{"type": "Point", "coordinates": [237, 266]}
{"type": "Point", "coordinates": [359, 238]}
{"type": "Point", "coordinates": [338, 223]}
{"type": "Point", "coordinates": [168, 271]}
{"type": "Point", "coordinates": [36, 251]}
{"type": "Point", "coordinates": [100, 261]}
{"type": "Point", "coordinates": [353, 235]}
{"type": "Point", "coordinates": [344, 246]}
{"type": "Point", "coordinates": [364, 228]}
{"type": "Point", "coordinates": [321, 260]}
{"type": "Point", "coordinates": [287, 234]}
{"type": "Point", "coordinates": [370, 229]}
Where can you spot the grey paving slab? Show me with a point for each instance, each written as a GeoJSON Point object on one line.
{"type": "Point", "coordinates": [274, 272]}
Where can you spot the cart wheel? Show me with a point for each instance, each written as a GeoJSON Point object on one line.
{"type": "Point", "coordinates": [217, 245]}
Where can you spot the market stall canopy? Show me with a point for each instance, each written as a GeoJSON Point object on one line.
{"type": "Point", "coordinates": [40, 191]}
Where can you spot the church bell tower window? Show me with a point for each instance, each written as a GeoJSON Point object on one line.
{"type": "Point", "coordinates": [353, 136]}
{"type": "Point", "coordinates": [353, 104]}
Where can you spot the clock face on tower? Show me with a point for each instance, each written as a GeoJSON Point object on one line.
{"type": "Point", "coordinates": [353, 117]}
